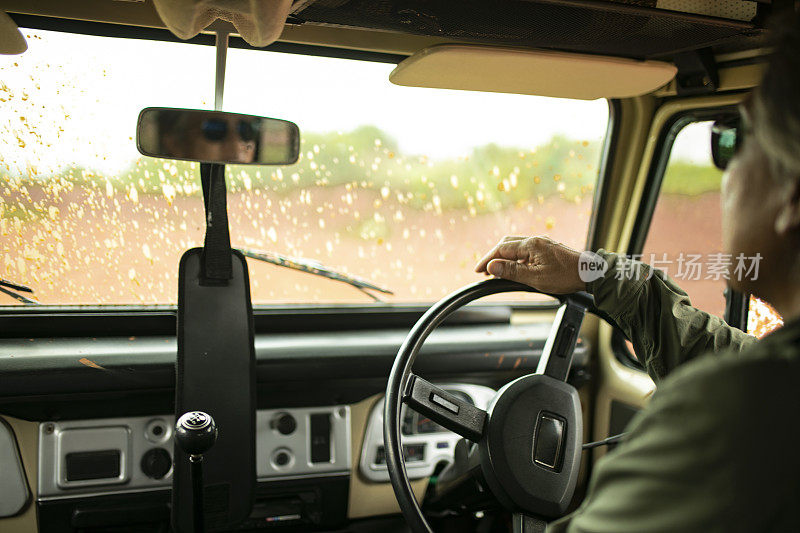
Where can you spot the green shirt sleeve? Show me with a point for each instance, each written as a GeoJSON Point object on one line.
{"type": "Point", "coordinates": [657, 316]}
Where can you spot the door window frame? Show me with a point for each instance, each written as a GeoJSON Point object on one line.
{"type": "Point", "coordinates": [658, 167]}
{"type": "Point", "coordinates": [736, 307]}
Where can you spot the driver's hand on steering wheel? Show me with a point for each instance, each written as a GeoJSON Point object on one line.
{"type": "Point", "coordinates": [540, 262]}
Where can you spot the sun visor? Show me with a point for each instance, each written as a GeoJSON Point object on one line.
{"type": "Point", "coordinates": [11, 40]}
{"type": "Point", "coordinates": [258, 22]}
{"type": "Point", "coordinates": [542, 73]}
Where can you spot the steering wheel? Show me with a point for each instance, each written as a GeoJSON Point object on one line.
{"type": "Point", "coordinates": [528, 441]}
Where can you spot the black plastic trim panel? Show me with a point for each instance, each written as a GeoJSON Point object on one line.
{"type": "Point", "coordinates": [621, 415]}
{"type": "Point", "coordinates": [58, 366]}
{"type": "Point", "coordinates": [117, 321]}
{"type": "Point", "coordinates": [322, 501]}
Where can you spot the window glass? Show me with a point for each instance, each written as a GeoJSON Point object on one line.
{"type": "Point", "coordinates": [685, 237]}
{"type": "Point", "coordinates": [762, 318]}
{"type": "Point", "coordinates": [686, 225]}
{"type": "Point", "coordinates": [404, 187]}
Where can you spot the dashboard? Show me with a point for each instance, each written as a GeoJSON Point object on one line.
{"type": "Point", "coordinates": [133, 454]}
{"type": "Point", "coordinates": [299, 451]}
{"type": "Point", "coordinates": [92, 422]}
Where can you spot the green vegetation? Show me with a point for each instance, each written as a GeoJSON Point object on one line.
{"type": "Point", "coordinates": [489, 179]}
{"type": "Point", "coordinates": [690, 179]}
{"type": "Point", "coordinates": [367, 162]}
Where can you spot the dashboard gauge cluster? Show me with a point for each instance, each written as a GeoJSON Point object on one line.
{"type": "Point", "coordinates": [426, 444]}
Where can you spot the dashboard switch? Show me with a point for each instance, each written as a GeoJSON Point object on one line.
{"type": "Point", "coordinates": [282, 458]}
{"type": "Point", "coordinates": [320, 438]}
{"type": "Point", "coordinates": [156, 463]}
{"type": "Point", "coordinates": [284, 423]}
{"type": "Point", "coordinates": [566, 341]}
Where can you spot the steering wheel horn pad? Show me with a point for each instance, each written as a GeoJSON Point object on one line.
{"type": "Point", "coordinates": [513, 432]}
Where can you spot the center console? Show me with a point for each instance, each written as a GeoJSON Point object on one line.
{"type": "Point", "coordinates": [115, 473]}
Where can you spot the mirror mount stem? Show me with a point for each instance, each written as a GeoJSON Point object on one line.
{"type": "Point", "coordinates": [222, 57]}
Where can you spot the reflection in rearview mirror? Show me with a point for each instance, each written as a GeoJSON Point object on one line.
{"type": "Point", "coordinates": [216, 137]}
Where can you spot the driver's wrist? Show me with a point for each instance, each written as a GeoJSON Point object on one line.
{"type": "Point", "coordinates": [609, 261]}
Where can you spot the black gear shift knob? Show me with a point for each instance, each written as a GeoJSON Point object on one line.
{"type": "Point", "coordinates": [195, 432]}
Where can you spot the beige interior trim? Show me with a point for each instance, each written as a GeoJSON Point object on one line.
{"type": "Point", "coordinates": [27, 435]}
{"type": "Point", "coordinates": [747, 53]}
{"type": "Point", "coordinates": [634, 125]}
{"type": "Point", "coordinates": [537, 72]}
{"type": "Point", "coordinates": [642, 109]}
{"type": "Point", "coordinates": [11, 40]}
{"type": "Point", "coordinates": [587, 396]}
{"type": "Point", "coordinates": [616, 382]}
{"type": "Point", "coordinates": [368, 498]}
{"type": "Point", "coordinates": [730, 79]}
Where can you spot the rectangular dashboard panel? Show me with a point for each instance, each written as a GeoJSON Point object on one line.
{"type": "Point", "coordinates": [90, 456]}
{"type": "Point", "coordinates": [102, 464]}
{"type": "Point", "coordinates": [123, 455]}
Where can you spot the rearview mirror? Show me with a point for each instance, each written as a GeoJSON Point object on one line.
{"type": "Point", "coordinates": [216, 137]}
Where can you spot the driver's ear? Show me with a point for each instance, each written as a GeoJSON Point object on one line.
{"type": "Point", "coordinates": [788, 219]}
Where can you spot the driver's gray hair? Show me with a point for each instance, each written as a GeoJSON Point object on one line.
{"type": "Point", "coordinates": [776, 102]}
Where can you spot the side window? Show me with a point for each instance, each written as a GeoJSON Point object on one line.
{"type": "Point", "coordinates": [762, 318]}
{"type": "Point", "coordinates": [685, 236]}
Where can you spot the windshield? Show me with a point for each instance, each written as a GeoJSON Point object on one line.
{"type": "Point", "coordinates": [402, 187]}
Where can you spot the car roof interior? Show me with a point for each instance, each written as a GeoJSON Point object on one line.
{"type": "Point", "coordinates": [636, 30]}
{"type": "Point", "coordinates": [703, 41]}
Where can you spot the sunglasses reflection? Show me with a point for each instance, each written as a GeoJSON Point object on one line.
{"type": "Point", "coordinates": [210, 137]}
{"type": "Point", "coordinates": [726, 139]}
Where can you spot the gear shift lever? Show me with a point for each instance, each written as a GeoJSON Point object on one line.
{"type": "Point", "coordinates": [196, 433]}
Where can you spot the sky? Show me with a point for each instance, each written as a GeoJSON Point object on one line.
{"type": "Point", "coordinates": [94, 87]}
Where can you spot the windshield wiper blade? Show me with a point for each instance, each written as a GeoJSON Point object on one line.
{"type": "Point", "coordinates": [14, 289]}
{"type": "Point", "coordinates": [316, 268]}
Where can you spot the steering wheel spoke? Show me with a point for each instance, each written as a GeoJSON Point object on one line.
{"type": "Point", "coordinates": [522, 523]}
{"type": "Point", "coordinates": [444, 408]}
{"type": "Point", "coordinates": [556, 358]}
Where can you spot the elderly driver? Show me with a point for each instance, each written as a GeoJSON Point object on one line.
{"type": "Point", "coordinates": [717, 447]}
